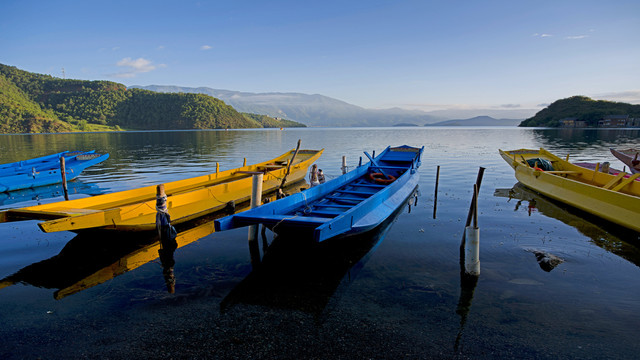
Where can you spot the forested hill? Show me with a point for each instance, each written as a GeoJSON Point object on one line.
{"type": "Point", "coordinates": [33, 103]}
{"type": "Point", "coordinates": [581, 108]}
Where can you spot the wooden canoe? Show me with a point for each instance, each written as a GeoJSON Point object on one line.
{"type": "Point", "coordinates": [615, 198]}
{"type": "Point", "coordinates": [350, 204]}
{"type": "Point", "coordinates": [48, 172]}
{"type": "Point", "coordinates": [629, 157]}
{"type": "Point", "coordinates": [188, 199]}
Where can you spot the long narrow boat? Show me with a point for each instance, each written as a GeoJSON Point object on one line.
{"type": "Point", "coordinates": [135, 210]}
{"type": "Point", "coordinates": [26, 165]}
{"type": "Point", "coordinates": [629, 157]}
{"type": "Point", "coordinates": [615, 198]}
{"type": "Point", "coordinates": [47, 173]}
{"type": "Point", "coordinates": [352, 203]}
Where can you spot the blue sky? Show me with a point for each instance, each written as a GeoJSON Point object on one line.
{"type": "Point", "coordinates": [425, 55]}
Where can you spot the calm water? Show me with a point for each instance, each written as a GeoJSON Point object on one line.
{"type": "Point", "coordinates": [396, 293]}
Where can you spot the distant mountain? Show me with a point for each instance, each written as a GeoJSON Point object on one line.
{"type": "Point", "coordinates": [478, 121]}
{"type": "Point", "coordinates": [34, 103]}
{"type": "Point", "coordinates": [311, 110]}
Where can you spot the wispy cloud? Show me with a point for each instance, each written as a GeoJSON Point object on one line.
{"type": "Point", "coordinates": [576, 37]}
{"type": "Point", "coordinates": [631, 96]}
{"type": "Point", "coordinates": [206, 47]}
{"type": "Point", "coordinates": [543, 35]}
{"type": "Point", "coordinates": [134, 67]}
{"type": "Point", "coordinates": [510, 106]}
{"type": "Point", "coordinates": [160, 47]}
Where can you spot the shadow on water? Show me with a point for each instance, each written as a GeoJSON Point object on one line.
{"type": "Point", "coordinates": [297, 273]}
{"type": "Point", "coordinates": [606, 235]}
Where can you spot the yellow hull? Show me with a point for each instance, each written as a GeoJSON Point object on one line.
{"type": "Point", "coordinates": [135, 210]}
{"type": "Point", "coordinates": [615, 198]}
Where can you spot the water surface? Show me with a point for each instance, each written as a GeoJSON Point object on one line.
{"type": "Point", "coordinates": [396, 293]}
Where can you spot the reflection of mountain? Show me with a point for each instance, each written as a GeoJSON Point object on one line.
{"type": "Point", "coordinates": [296, 273]}
{"type": "Point", "coordinates": [606, 235]}
{"type": "Point", "coordinates": [567, 138]}
{"type": "Point", "coordinates": [48, 192]}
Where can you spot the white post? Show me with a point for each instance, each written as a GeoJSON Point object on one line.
{"type": "Point", "coordinates": [344, 165]}
{"type": "Point", "coordinates": [472, 240]}
{"type": "Point", "coordinates": [256, 200]}
{"type": "Point", "coordinates": [472, 251]}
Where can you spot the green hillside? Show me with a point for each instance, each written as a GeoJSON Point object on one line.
{"type": "Point", "coordinates": [583, 109]}
{"type": "Point", "coordinates": [33, 103]}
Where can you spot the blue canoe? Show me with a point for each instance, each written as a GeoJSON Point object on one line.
{"type": "Point", "coordinates": [46, 170]}
{"type": "Point", "coordinates": [353, 203]}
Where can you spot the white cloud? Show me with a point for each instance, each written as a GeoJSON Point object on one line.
{"type": "Point", "coordinates": [576, 37]}
{"type": "Point", "coordinates": [542, 35]}
{"type": "Point", "coordinates": [160, 47]}
{"type": "Point", "coordinates": [135, 66]}
{"type": "Point", "coordinates": [206, 47]}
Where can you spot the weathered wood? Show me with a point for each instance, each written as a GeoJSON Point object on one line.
{"type": "Point", "coordinates": [63, 173]}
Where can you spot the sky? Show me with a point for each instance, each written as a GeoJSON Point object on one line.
{"type": "Point", "coordinates": [425, 55]}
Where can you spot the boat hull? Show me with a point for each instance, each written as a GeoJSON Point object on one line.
{"type": "Point", "coordinates": [583, 188]}
{"type": "Point", "coordinates": [350, 204]}
{"type": "Point", "coordinates": [188, 199]}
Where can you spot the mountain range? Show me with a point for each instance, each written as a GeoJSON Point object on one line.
{"type": "Point", "coordinates": [319, 110]}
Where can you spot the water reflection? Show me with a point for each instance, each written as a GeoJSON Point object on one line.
{"type": "Point", "coordinates": [610, 237]}
{"type": "Point", "coordinates": [299, 274]}
{"type": "Point", "coordinates": [94, 257]}
{"type": "Point", "coordinates": [591, 141]}
{"type": "Point", "coordinates": [75, 188]}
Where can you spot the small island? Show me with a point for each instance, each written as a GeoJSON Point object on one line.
{"type": "Point", "coordinates": [583, 112]}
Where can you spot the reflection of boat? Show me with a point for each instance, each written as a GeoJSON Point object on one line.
{"type": "Point", "coordinates": [135, 210]}
{"type": "Point", "coordinates": [610, 237]}
{"type": "Point", "coordinates": [304, 275]}
{"type": "Point", "coordinates": [91, 259]}
{"type": "Point", "coordinates": [48, 192]}
{"type": "Point", "coordinates": [354, 202]}
{"type": "Point", "coordinates": [629, 157]}
{"type": "Point", "coordinates": [615, 198]}
{"type": "Point", "coordinates": [48, 172]}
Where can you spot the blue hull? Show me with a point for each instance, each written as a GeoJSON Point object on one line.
{"type": "Point", "coordinates": [48, 172]}
{"type": "Point", "coordinates": [350, 204]}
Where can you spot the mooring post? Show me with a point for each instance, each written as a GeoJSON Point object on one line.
{"type": "Point", "coordinates": [435, 197]}
{"type": "Point", "coordinates": [217, 167]}
{"type": "Point", "coordinates": [344, 165]}
{"type": "Point", "coordinates": [472, 240]}
{"type": "Point", "coordinates": [63, 173]}
{"type": "Point", "coordinates": [256, 200]}
{"type": "Point", "coordinates": [167, 234]}
{"type": "Point", "coordinates": [360, 162]}
{"type": "Point", "coordinates": [244, 162]}
{"type": "Point", "coordinates": [313, 176]}
{"type": "Point", "coordinates": [478, 182]}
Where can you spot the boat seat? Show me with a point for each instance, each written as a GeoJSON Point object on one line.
{"type": "Point", "coordinates": [625, 182]}
{"type": "Point", "coordinates": [613, 181]}
{"type": "Point", "coordinates": [354, 192]}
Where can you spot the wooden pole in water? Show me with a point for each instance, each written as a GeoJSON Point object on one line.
{"type": "Point", "coordinates": [244, 162]}
{"type": "Point", "coordinates": [473, 202]}
{"type": "Point", "coordinates": [284, 178]}
{"type": "Point", "coordinates": [344, 165]}
{"type": "Point", "coordinates": [63, 173]}
{"type": "Point", "coordinates": [435, 197]}
{"type": "Point", "coordinates": [256, 200]}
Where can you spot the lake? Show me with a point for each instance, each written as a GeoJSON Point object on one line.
{"type": "Point", "coordinates": [394, 293]}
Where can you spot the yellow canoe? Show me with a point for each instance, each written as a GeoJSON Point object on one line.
{"type": "Point", "coordinates": [614, 197]}
{"type": "Point", "coordinates": [188, 199]}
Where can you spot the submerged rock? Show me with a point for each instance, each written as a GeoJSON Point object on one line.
{"type": "Point", "coordinates": [547, 261]}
